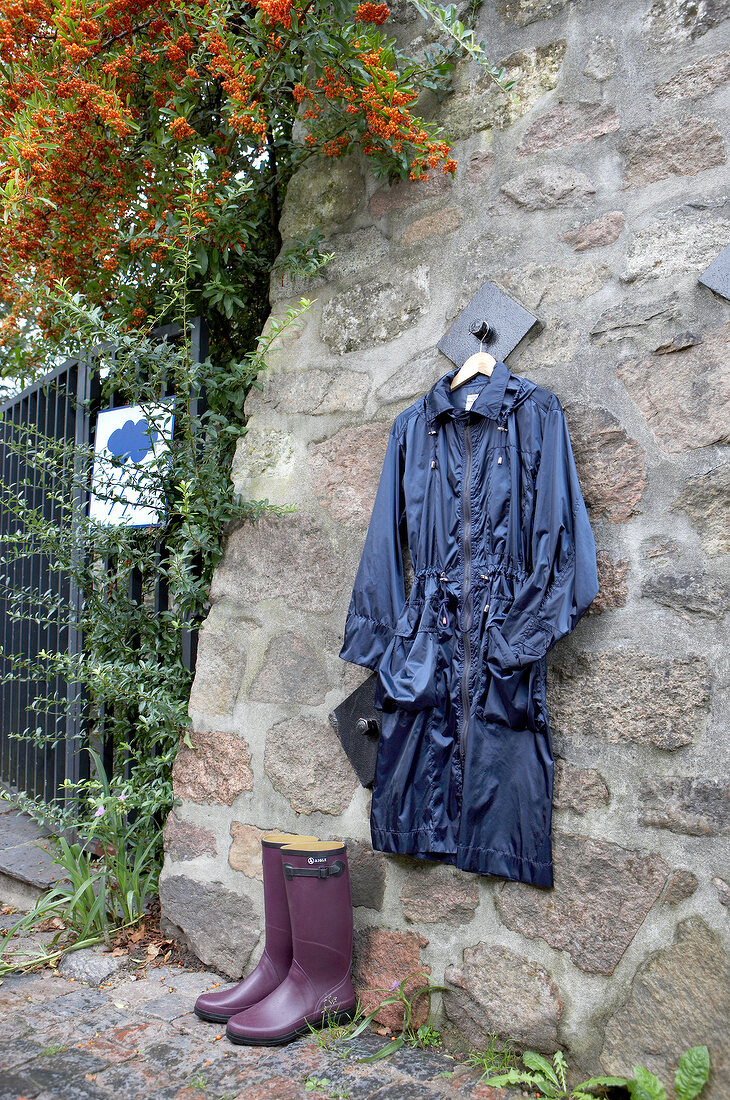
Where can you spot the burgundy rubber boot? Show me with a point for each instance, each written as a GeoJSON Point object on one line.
{"type": "Point", "coordinates": [275, 961]}
{"type": "Point", "coordinates": [318, 988]}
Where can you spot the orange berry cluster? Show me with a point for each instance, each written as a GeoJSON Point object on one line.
{"type": "Point", "coordinates": [100, 101]}
{"type": "Point", "coordinates": [372, 13]}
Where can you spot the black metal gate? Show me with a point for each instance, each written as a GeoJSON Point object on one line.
{"type": "Point", "coordinates": [63, 407]}
{"type": "Point", "coordinates": [48, 407]}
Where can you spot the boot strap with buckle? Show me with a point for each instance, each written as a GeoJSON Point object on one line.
{"type": "Point", "coordinates": [332, 870]}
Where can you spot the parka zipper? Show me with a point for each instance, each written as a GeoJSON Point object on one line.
{"type": "Point", "coordinates": [466, 609]}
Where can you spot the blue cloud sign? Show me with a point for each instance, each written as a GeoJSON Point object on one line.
{"type": "Point", "coordinates": [123, 493]}
{"type": "Point", "coordinates": [133, 441]}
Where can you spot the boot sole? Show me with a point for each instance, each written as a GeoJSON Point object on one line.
{"type": "Point", "coordinates": [342, 1017]}
{"type": "Point", "coordinates": [213, 1017]}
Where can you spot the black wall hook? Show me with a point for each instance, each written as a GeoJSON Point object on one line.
{"type": "Point", "coordinates": [481, 330]}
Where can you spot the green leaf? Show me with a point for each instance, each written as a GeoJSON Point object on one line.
{"type": "Point", "coordinates": [513, 1077]}
{"type": "Point", "coordinates": [645, 1086]}
{"type": "Point", "coordinates": [692, 1073]}
{"type": "Point", "coordinates": [201, 255]}
{"type": "Point", "coordinates": [540, 1065]}
{"type": "Point", "coordinates": [602, 1082]}
{"type": "Point", "coordinates": [386, 1051]}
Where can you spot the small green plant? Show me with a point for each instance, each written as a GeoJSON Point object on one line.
{"type": "Point", "coordinates": [693, 1070]}
{"type": "Point", "coordinates": [322, 1084]}
{"type": "Point", "coordinates": [109, 879]}
{"type": "Point", "coordinates": [409, 1034]}
{"type": "Point", "coordinates": [332, 1032]}
{"type": "Point", "coordinates": [52, 1048]}
{"type": "Point", "coordinates": [198, 1081]}
{"type": "Point", "coordinates": [425, 1036]}
{"type": "Point", "coordinates": [550, 1080]}
{"type": "Point", "coordinates": [494, 1058]}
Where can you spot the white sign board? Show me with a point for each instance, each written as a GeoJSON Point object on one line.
{"type": "Point", "coordinates": [129, 442]}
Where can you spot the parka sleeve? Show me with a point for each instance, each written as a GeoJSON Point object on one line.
{"type": "Point", "coordinates": [378, 595]}
{"type": "Point", "coordinates": [563, 578]}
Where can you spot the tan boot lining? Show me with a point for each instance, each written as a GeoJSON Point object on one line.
{"type": "Point", "coordinates": [314, 846]}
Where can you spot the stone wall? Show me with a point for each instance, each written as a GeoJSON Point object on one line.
{"type": "Point", "coordinates": [596, 202]}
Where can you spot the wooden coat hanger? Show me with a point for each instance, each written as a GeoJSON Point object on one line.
{"type": "Point", "coordinates": [481, 362]}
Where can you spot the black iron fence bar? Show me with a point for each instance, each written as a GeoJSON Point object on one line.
{"type": "Point", "coordinates": [62, 406]}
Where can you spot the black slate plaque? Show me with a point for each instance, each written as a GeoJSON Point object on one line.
{"type": "Point", "coordinates": [357, 724]}
{"type": "Point", "coordinates": [508, 323]}
{"type": "Point", "coordinates": [717, 275]}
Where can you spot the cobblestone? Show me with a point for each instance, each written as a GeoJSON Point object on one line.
{"type": "Point", "coordinates": [137, 1037]}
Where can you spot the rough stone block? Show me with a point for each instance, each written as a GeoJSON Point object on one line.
{"type": "Point", "coordinates": [523, 12]}
{"type": "Point", "coordinates": [92, 965]}
{"type": "Point", "coordinates": [679, 998]}
{"type": "Point", "coordinates": [290, 556]}
{"type": "Point", "coordinates": [681, 885]}
{"type": "Point", "coordinates": [596, 234]}
{"type": "Point", "coordinates": [706, 500]}
{"type": "Point", "coordinates": [409, 381]}
{"type": "Point", "coordinates": [610, 463]}
{"type": "Point", "coordinates": [316, 392]}
{"type": "Point", "coordinates": [538, 285]}
{"type": "Point", "coordinates": [554, 346]}
{"type": "Point", "coordinates": [216, 769]}
{"type": "Point", "coordinates": [695, 806]}
{"type": "Point", "coordinates": [612, 591]}
{"type": "Point", "coordinates": [674, 147]}
{"type": "Point", "coordinates": [345, 470]}
{"type": "Point", "coordinates": [601, 896]}
{"type": "Point", "coordinates": [185, 841]}
{"type": "Point", "coordinates": [245, 852]}
{"type": "Point", "coordinates": [433, 225]}
{"type": "Point", "coordinates": [669, 24]}
{"type": "Point", "coordinates": [647, 324]}
{"type": "Point", "coordinates": [477, 104]}
{"type": "Point", "coordinates": [671, 247]}
{"type": "Point", "coordinates": [376, 311]}
{"type": "Point", "coordinates": [367, 874]}
{"type": "Point", "coordinates": [625, 696]}
{"type": "Point", "coordinates": [697, 79]}
{"type": "Point", "coordinates": [306, 763]}
{"type": "Point", "coordinates": [479, 168]}
{"type": "Point", "coordinates": [548, 187]}
{"type": "Point", "coordinates": [500, 991]}
{"type": "Point", "coordinates": [382, 959]}
{"type": "Point", "coordinates": [578, 789]}
{"type": "Point", "coordinates": [291, 672]}
{"type": "Point", "coordinates": [220, 927]}
{"type": "Point", "coordinates": [325, 192]}
{"type": "Point", "coordinates": [685, 397]}
{"type": "Point", "coordinates": [399, 196]}
{"type": "Point", "coordinates": [723, 891]}
{"type": "Point", "coordinates": [568, 124]}
{"type": "Point", "coordinates": [689, 594]}
{"type": "Point", "coordinates": [602, 58]}
{"type": "Point", "coordinates": [221, 662]}
{"type": "Point", "coordinates": [439, 895]}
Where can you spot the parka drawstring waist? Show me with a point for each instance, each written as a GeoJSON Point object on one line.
{"type": "Point", "coordinates": [444, 602]}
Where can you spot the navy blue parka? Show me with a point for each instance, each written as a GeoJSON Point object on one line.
{"type": "Point", "coordinates": [484, 484]}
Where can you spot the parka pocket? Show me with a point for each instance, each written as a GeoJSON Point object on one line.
{"type": "Point", "coordinates": [509, 697]}
{"type": "Point", "coordinates": [411, 670]}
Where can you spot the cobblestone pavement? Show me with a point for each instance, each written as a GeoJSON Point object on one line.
{"type": "Point", "coordinates": [63, 1039]}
